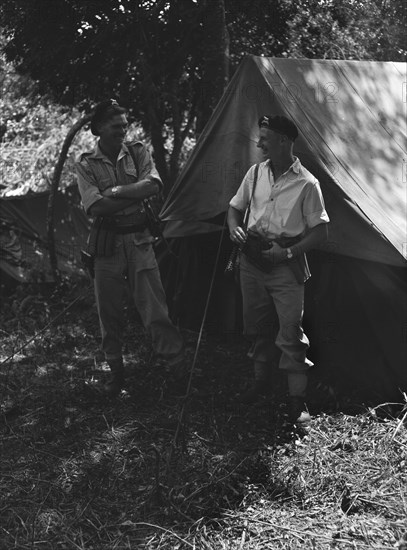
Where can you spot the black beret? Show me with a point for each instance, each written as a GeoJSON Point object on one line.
{"type": "Point", "coordinates": [103, 111]}
{"type": "Point", "coordinates": [279, 124]}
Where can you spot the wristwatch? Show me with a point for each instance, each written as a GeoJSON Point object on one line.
{"type": "Point", "coordinates": [289, 253]}
{"type": "Point", "coordinates": [115, 191]}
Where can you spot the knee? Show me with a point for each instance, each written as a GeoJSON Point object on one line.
{"type": "Point", "coordinates": [291, 332]}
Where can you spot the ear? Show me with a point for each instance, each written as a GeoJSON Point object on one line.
{"type": "Point", "coordinates": [286, 141]}
{"type": "Point", "coordinates": [99, 126]}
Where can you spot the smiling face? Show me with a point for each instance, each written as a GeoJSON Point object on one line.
{"type": "Point", "coordinates": [272, 143]}
{"type": "Point", "coordinates": [113, 131]}
{"type": "Point", "coordinates": [269, 142]}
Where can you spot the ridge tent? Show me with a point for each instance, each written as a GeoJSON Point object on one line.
{"type": "Point", "coordinates": [24, 256]}
{"type": "Point", "coordinates": [351, 116]}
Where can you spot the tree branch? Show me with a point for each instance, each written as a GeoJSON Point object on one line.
{"type": "Point", "coordinates": [53, 191]}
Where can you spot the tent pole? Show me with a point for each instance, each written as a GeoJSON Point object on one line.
{"type": "Point", "coordinates": [182, 414]}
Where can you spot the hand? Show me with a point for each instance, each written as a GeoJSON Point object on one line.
{"type": "Point", "coordinates": [238, 235]}
{"type": "Point", "coordinates": [275, 254]}
{"type": "Point", "coordinates": [107, 192]}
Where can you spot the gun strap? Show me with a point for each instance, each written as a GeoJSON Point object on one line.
{"type": "Point", "coordinates": [247, 213]}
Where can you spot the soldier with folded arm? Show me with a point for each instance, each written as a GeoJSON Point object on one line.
{"type": "Point", "coordinates": [113, 180]}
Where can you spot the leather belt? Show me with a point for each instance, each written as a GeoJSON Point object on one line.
{"type": "Point", "coordinates": [125, 229]}
{"type": "Point", "coordinates": [284, 242]}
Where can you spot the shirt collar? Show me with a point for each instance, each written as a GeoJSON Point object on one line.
{"type": "Point", "coordinates": [296, 166]}
{"type": "Point", "coordinates": [124, 151]}
{"type": "Point", "coordinates": [97, 153]}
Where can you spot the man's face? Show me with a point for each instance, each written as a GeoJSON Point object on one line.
{"type": "Point", "coordinates": [269, 142]}
{"type": "Point", "coordinates": [113, 131]}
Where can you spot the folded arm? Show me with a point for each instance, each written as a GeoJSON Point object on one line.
{"type": "Point", "coordinates": [138, 190]}
{"type": "Point", "coordinates": [124, 197]}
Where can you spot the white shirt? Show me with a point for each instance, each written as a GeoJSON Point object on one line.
{"type": "Point", "coordinates": [283, 207]}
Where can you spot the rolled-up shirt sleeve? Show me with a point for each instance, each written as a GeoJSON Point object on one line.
{"type": "Point", "coordinates": [147, 167]}
{"type": "Point", "coordinates": [242, 197]}
{"type": "Point", "coordinates": [87, 185]}
{"type": "Point", "coordinates": [314, 207]}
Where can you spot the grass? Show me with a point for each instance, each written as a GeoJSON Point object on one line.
{"type": "Point", "coordinates": [80, 472]}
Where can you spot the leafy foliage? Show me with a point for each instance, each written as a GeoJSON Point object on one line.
{"type": "Point", "coordinates": [152, 55]}
{"type": "Point", "coordinates": [144, 53]}
{"type": "Point", "coordinates": [331, 29]}
{"type": "Point", "coordinates": [32, 131]}
{"type": "Point", "coordinates": [336, 29]}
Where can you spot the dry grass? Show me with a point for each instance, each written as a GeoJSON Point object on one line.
{"type": "Point", "coordinates": [78, 472]}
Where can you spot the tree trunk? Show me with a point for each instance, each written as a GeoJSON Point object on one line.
{"type": "Point", "coordinates": [152, 106]}
{"type": "Point", "coordinates": [157, 141]}
{"type": "Point", "coordinates": [53, 191]}
{"type": "Point", "coordinates": [216, 63]}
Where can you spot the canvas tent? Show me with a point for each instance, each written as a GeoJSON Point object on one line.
{"type": "Point", "coordinates": [352, 121]}
{"type": "Point", "coordinates": [24, 256]}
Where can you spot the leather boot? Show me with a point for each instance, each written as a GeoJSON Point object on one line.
{"type": "Point", "coordinates": [114, 385]}
{"type": "Point", "coordinates": [298, 413]}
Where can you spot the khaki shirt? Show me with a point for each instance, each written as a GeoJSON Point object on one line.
{"type": "Point", "coordinates": [95, 172]}
{"type": "Point", "coordinates": [285, 207]}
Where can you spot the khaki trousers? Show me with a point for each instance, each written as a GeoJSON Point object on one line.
{"type": "Point", "coordinates": [273, 307]}
{"type": "Point", "coordinates": [134, 265]}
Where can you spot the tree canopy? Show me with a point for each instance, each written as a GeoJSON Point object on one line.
{"type": "Point", "coordinates": [168, 61]}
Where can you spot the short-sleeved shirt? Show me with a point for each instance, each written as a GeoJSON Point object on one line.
{"type": "Point", "coordinates": [283, 207]}
{"type": "Point", "coordinates": [96, 173]}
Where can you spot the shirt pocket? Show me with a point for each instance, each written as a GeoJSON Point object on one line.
{"type": "Point", "coordinates": [131, 175]}
{"type": "Point", "coordinates": [104, 183]}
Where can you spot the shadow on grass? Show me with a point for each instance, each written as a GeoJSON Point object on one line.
{"type": "Point", "coordinates": [80, 471]}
